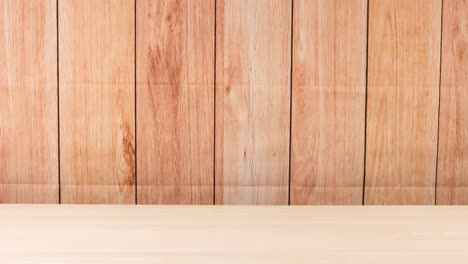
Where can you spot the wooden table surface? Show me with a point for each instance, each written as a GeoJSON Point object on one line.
{"type": "Point", "coordinates": [232, 234]}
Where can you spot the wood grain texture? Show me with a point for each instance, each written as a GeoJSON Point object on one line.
{"type": "Point", "coordinates": [403, 95]}
{"type": "Point", "coordinates": [96, 62]}
{"type": "Point", "coordinates": [328, 101]}
{"type": "Point", "coordinates": [28, 102]}
{"type": "Point", "coordinates": [252, 101]}
{"type": "Point", "coordinates": [75, 234]}
{"type": "Point", "coordinates": [452, 178]}
{"type": "Point", "coordinates": [175, 101]}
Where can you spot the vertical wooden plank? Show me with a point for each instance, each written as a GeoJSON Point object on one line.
{"type": "Point", "coordinates": [252, 101]}
{"type": "Point", "coordinates": [96, 63]}
{"type": "Point", "coordinates": [452, 179]}
{"type": "Point", "coordinates": [403, 95]}
{"type": "Point", "coordinates": [175, 101]}
{"type": "Point", "coordinates": [28, 102]}
{"type": "Point", "coordinates": [328, 101]}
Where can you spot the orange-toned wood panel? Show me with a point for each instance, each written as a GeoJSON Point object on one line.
{"type": "Point", "coordinates": [403, 96]}
{"type": "Point", "coordinates": [253, 49]}
{"type": "Point", "coordinates": [452, 178]}
{"type": "Point", "coordinates": [28, 102]}
{"type": "Point", "coordinates": [175, 101]}
{"type": "Point", "coordinates": [328, 101]}
{"type": "Point", "coordinates": [96, 63]}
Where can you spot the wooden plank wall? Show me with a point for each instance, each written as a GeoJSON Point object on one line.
{"type": "Point", "coordinates": [403, 99]}
{"type": "Point", "coordinates": [252, 101]}
{"type": "Point", "coordinates": [234, 101]}
{"type": "Point", "coordinates": [96, 84]}
{"type": "Point", "coordinates": [28, 102]}
{"type": "Point", "coordinates": [452, 181]}
{"type": "Point", "coordinates": [175, 101]}
{"type": "Point", "coordinates": [328, 106]}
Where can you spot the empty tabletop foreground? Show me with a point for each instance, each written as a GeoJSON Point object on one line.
{"type": "Point", "coordinates": [232, 234]}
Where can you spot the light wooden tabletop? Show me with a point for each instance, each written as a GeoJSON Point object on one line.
{"type": "Point", "coordinates": [183, 234]}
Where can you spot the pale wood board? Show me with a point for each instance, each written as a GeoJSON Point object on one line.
{"type": "Point", "coordinates": [232, 234]}
{"type": "Point", "coordinates": [96, 64]}
{"type": "Point", "coordinates": [253, 49]}
{"type": "Point", "coordinates": [452, 178]}
{"type": "Point", "coordinates": [403, 97]}
{"type": "Point", "coordinates": [328, 101]}
{"type": "Point", "coordinates": [175, 101]}
{"type": "Point", "coordinates": [28, 102]}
